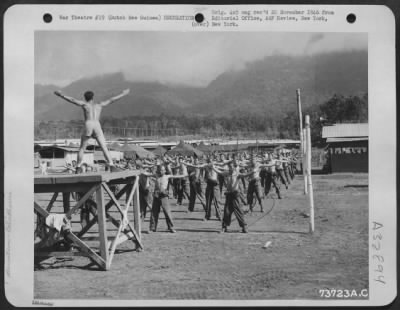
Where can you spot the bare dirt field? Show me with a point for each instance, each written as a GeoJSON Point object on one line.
{"type": "Point", "coordinates": [199, 262]}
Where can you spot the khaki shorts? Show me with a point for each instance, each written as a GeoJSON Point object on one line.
{"type": "Point", "coordinates": [93, 129]}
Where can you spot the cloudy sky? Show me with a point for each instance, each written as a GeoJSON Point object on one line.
{"type": "Point", "coordinates": [188, 58]}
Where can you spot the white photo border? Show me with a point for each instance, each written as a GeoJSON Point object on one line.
{"type": "Point", "coordinates": [20, 24]}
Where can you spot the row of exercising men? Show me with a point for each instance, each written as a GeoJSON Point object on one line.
{"type": "Point", "coordinates": [185, 177]}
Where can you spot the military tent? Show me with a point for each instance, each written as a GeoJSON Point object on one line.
{"type": "Point", "coordinates": [185, 150]}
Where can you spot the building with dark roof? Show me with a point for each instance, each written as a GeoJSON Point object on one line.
{"type": "Point", "coordinates": [347, 147]}
{"type": "Point", "coordinates": [58, 156]}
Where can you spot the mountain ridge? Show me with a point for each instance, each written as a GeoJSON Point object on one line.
{"type": "Point", "coordinates": [264, 86]}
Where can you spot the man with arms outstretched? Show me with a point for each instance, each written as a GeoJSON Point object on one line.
{"type": "Point", "coordinates": [91, 112]}
{"type": "Point", "coordinates": [232, 177]}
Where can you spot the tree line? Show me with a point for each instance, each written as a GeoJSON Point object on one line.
{"type": "Point", "coordinates": [338, 109]}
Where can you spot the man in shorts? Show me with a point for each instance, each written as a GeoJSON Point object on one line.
{"type": "Point", "coordinates": [91, 112]}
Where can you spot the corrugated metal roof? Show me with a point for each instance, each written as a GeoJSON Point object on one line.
{"type": "Point", "coordinates": [345, 130]}
{"type": "Point", "coordinates": [331, 140]}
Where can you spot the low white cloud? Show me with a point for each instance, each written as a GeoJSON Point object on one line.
{"type": "Point", "coordinates": [179, 58]}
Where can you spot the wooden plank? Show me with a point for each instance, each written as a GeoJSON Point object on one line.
{"type": "Point", "coordinates": [104, 185]}
{"type": "Point", "coordinates": [114, 243]}
{"type": "Point", "coordinates": [138, 240]}
{"type": "Point", "coordinates": [113, 199]}
{"type": "Point", "coordinates": [113, 220]}
{"type": "Point", "coordinates": [86, 249]}
{"type": "Point", "coordinates": [101, 215]}
{"type": "Point", "coordinates": [129, 195]}
{"type": "Point", "coordinates": [121, 181]}
{"type": "Point", "coordinates": [95, 238]}
{"type": "Point", "coordinates": [40, 210]}
{"type": "Point", "coordinates": [52, 200]}
{"type": "Point", "coordinates": [62, 188]}
{"type": "Point", "coordinates": [68, 178]}
{"type": "Point", "coordinates": [93, 221]}
{"type": "Point", "coordinates": [82, 201]}
{"type": "Point", "coordinates": [120, 238]}
{"type": "Point", "coordinates": [89, 177]}
{"type": "Point", "coordinates": [108, 206]}
{"type": "Point", "coordinates": [83, 247]}
{"type": "Point", "coordinates": [132, 189]}
{"type": "Point", "coordinates": [124, 237]}
{"type": "Point", "coordinates": [136, 210]}
{"type": "Point", "coordinates": [78, 178]}
{"type": "Point", "coordinates": [42, 179]}
{"type": "Point", "coordinates": [89, 225]}
{"type": "Point", "coordinates": [66, 202]}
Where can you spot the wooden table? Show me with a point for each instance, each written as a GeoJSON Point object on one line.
{"type": "Point", "coordinates": [98, 184]}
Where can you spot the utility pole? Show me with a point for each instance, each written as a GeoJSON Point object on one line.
{"type": "Point", "coordinates": [300, 117]}
{"type": "Point", "coordinates": [307, 137]}
{"type": "Point", "coordinates": [301, 137]}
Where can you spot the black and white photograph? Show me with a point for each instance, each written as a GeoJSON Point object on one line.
{"type": "Point", "coordinates": [209, 124]}
{"type": "Point", "coordinates": [202, 166]}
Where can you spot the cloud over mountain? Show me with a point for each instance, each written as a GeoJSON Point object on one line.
{"type": "Point", "coordinates": [262, 86]}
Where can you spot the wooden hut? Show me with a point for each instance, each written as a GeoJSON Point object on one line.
{"type": "Point", "coordinates": [347, 147]}
{"type": "Point", "coordinates": [58, 156]}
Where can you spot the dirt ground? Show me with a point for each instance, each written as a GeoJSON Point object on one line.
{"type": "Point", "coordinates": [199, 262]}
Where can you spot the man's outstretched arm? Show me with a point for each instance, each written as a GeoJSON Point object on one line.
{"type": "Point", "coordinates": [194, 166]}
{"type": "Point", "coordinates": [111, 100]}
{"type": "Point", "coordinates": [69, 99]}
{"type": "Point", "coordinates": [177, 176]}
{"type": "Point", "coordinates": [221, 172]}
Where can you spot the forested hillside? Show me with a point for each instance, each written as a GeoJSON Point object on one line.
{"type": "Point", "coordinates": [260, 97]}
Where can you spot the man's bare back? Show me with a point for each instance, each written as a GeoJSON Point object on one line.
{"type": "Point", "coordinates": [91, 109]}
{"type": "Point", "coordinates": [91, 113]}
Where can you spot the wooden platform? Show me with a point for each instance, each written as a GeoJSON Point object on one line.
{"type": "Point", "coordinates": [86, 177]}
{"type": "Point", "coordinates": [97, 184]}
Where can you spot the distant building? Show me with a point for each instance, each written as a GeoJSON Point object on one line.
{"type": "Point", "coordinates": [37, 160]}
{"type": "Point", "coordinates": [98, 155]}
{"type": "Point", "coordinates": [100, 158]}
{"type": "Point", "coordinates": [58, 156]}
{"type": "Point", "coordinates": [247, 144]}
{"type": "Point", "coordinates": [347, 147]}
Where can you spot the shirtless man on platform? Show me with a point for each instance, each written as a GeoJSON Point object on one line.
{"type": "Point", "coordinates": [91, 112]}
